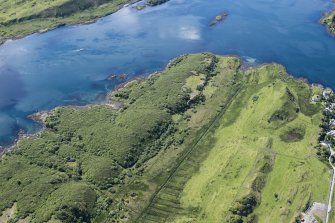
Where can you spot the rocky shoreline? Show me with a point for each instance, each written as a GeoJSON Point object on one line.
{"type": "Point", "coordinates": [39, 117]}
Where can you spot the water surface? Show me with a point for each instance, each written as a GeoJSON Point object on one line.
{"type": "Point", "coordinates": [69, 65]}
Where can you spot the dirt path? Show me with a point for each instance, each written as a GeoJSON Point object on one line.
{"type": "Point", "coordinates": [330, 199]}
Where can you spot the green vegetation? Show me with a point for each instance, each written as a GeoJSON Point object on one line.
{"type": "Point", "coordinates": [318, 219]}
{"type": "Point", "coordinates": [19, 18]}
{"type": "Point", "coordinates": [329, 21]}
{"type": "Point", "coordinates": [250, 174]}
{"type": "Point", "coordinates": [201, 141]}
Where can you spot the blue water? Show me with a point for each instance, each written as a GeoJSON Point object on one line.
{"type": "Point", "coordinates": [69, 65]}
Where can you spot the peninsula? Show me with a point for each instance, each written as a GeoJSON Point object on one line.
{"type": "Point", "coordinates": [205, 140]}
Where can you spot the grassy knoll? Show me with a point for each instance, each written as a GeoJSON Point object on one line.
{"type": "Point", "coordinates": [19, 18]}
{"type": "Point", "coordinates": [201, 141]}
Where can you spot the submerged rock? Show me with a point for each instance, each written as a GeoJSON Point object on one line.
{"type": "Point", "coordinates": [140, 7]}
{"type": "Point", "coordinates": [120, 77]}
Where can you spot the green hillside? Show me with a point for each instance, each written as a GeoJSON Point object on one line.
{"type": "Point", "coordinates": [202, 141]}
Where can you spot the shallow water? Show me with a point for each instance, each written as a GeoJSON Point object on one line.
{"type": "Point", "coordinates": [69, 65]}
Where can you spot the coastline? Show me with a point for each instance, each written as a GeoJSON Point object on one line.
{"type": "Point", "coordinates": [39, 117]}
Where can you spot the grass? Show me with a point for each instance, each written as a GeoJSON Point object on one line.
{"type": "Point", "coordinates": [229, 171]}
{"type": "Point", "coordinates": [318, 219]}
{"type": "Point", "coordinates": [200, 141]}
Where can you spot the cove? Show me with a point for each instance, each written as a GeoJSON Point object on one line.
{"type": "Point", "coordinates": [70, 65]}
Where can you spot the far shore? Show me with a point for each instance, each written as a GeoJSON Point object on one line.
{"type": "Point", "coordinates": [56, 26]}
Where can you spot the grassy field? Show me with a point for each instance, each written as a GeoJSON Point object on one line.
{"type": "Point", "coordinates": [19, 18]}
{"type": "Point", "coordinates": [201, 141]}
{"type": "Point", "coordinates": [245, 159]}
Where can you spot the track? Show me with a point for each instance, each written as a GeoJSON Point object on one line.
{"type": "Point", "coordinates": [330, 199]}
{"type": "Point", "coordinates": [160, 207]}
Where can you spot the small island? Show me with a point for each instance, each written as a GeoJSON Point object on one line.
{"type": "Point", "coordinates": [219, 18]}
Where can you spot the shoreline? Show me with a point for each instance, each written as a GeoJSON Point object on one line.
{"type": "Point", "coordinates": [3, 40]}
{"type": "Point", "coordinates": [39, 117]}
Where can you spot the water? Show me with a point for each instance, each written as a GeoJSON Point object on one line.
{"type": "Point", "coordinates": [69, 65]}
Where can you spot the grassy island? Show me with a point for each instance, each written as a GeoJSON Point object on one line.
{"type": "Point", "coordinates": [205, 140]}
{"type": "Point", "coordinates": [20, 18]}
